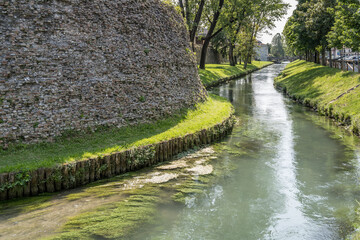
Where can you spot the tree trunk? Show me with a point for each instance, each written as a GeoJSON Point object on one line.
{"type": "Point", "coordinates": [182, 8]}
{"type": "Point", "coordinates": [330, 60]}
{"type": "Point", "coordinates": [196, 23]}
{"type": "Point", "coordinates": [203, 53]}
{"type": "Point", "coordinates": [323, 59]}
{"type": "Point", "coordinates": [187, 13]}
{"type": "Point", "coordinates": [231, 55]}
{"type": "Point", "coordinates": [209, 35]}
{"type": "Point", "coordinates": [246, 60]}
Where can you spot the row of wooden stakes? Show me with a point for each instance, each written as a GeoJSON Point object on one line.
{"type": "Point", "coordinates": [75, 174]}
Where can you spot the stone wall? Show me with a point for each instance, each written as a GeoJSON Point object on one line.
{"type": "Point", "coordinates": [212, 56]}
{"type": "Point", "coordinates": [76, 64]}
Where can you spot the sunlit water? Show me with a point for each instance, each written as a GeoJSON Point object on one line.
{"type": "Point", "coordinates": [284, 173]}
{"type": "Point", "coordinates": [291, 180]}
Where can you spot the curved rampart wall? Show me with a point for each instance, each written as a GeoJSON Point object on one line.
{"type": "Point", "coordinates": [76, 64]}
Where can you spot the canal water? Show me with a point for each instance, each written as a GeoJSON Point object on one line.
{"type": "Point", "coordinates": [294, 174]}
{"type": "Point", "coordinates": [284, 173]}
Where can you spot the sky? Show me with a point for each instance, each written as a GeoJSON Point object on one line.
{"type": "Point", "coordinates": [279, 25]}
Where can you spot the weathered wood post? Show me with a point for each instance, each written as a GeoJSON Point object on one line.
{"type": "Point", "coordinates": [4, 180]}
{"type": "Point", "coordinates": [34, 181]}
{"type": "Point", "coordinates": [66, 177]}
{"type": "Point", "coordinates": [41, 180]}
{"type": "Point", "coordinates": [117, 163]}
{"type": "Point", "coordinates": [123, 162]}
{"type": "Point", "coordinates": [49, 180]}
{"type": "Point", "coordinates": [11, 190]}
{"type": "Point", "coordinates": [92, 171]}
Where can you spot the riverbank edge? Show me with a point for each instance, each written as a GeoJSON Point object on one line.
{"type": "Point", "coordinates": [350, 126]}
{"type": "Point", "coordinates": [79, 173]}
{"type": "Point", "coordinates": [233, 77]}
{"type": "Point", "coordinates": [322, 110]}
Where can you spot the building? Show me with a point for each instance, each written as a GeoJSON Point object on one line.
{"type": "Point", "coordinates": [262, 51]}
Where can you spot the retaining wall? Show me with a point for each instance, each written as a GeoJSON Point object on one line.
{"type": "Point", "coordinates": [75, 174]}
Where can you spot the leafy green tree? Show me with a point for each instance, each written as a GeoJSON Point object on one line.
{"type": "Point", "coordinates": [277, 49]}
{"type": "Point", "coordinates": [213, 12]}
{"type": "Point", "coordinates": [192, 11]}
{"type": "Point", "coordinates": [264, 15]}
{"type": "Point", "coordinates": [307, 29]}
{"type": "Point", "coordinates": [346, 29]}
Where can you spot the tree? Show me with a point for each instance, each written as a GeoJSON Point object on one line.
{"type": "Point", "coordinates": [346, 29]}
{"type": "Point", "coordinates": [192, 11]}
{"type": "Point", "coordinates": [264, 14]}
{"type": "Point", "coordinates": [307, 29]}
{"type": "Point", "coordinates": [237, 12]}
{"type": "Point", "coordinates": [214, 8]}
{"type": "Point", "coordinates": [277, 49]}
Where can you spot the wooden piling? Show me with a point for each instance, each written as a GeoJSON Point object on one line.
{"type": "Point", "coordinates": [161, 152]}
{"type": "Point", "coordinates": [11, 190]}
{"type": "Point", "coordinates": [108, 170]}
{"type": "Point", "coordinates": [113, 164]}
{"type": "Point", "coordinates": [65, 177]}
{"type": "Point", "coordinates": [49, 180]}
{"type": "Point", "coordinates": [97, 168]}
{"type": "Point", "coordinates": [175, 146]}
{"type": "Point", "coordinates": [165, 151]}
{"type": "Point", "coordinates": [4, 180]}
{"type": "Point", "coordinates": [117, 164]}
{"type": "Point", "coordinates": [92, 169]}
{"type": "Point", "coordinates": [26, 189]}
{"type": "Point", "coordinates": [41, 180]}
{"type": "Point", "coordinates": [86, 167]}
{"type": "Point", "coordinates": [72, 175]}
{"type": "Point", "coordinates": [122, 157]}
{"type": "Point", "coordinates": [170, 149]}
{"type": "Point", "coordinates": [79, 172]}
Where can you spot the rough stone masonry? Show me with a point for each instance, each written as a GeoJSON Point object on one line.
{"type": "Point", "coordinates": [79, 64]}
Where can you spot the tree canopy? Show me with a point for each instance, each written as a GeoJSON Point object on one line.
{"type": "Point", "coordinates": [318, 25]}
{"type": "Point", "coordinates": [230, 23]}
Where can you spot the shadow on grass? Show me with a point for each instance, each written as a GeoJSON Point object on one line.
{"type": "Point", "coordinates": [84, 145]}
{"type": "Point", "coordinates": [215, 72]}
{"type": "Point", "coordinates": [305, 79]}
{"type": "Point", "coordinates": [76, 144]}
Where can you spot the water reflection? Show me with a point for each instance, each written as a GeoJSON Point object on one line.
{"type": "Point", "coordinates": [292, 179]}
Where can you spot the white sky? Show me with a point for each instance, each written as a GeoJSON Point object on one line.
{"type": "Point", "coordinates": [279, 25]}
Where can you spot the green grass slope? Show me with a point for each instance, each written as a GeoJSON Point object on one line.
{"type": "Point", "coordinates": [80, 146]}
{"type": "Point", "coordinates": [332, 92]}
{"type": "Point", "coordinates": [215, 72]}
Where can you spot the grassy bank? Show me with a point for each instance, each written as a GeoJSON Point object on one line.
{"type": "Point", "coordinates": [332, 92]}
{"type": "Point", "coordinates": [215, 72]}
{"type": "Point", "coordinates": [85, 145]}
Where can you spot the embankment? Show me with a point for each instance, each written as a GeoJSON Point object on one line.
{"type": "Point", "coordinates": [216, 74]}
{"type": "Point", "coordinates": [328, 91]}
{"type": "Point", "coordinates": [148, 145]}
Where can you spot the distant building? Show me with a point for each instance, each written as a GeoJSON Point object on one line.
{"type": "Point", "coordinates": [262, 51]}
{"type": "Point", "coordinates": [335, 53]}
